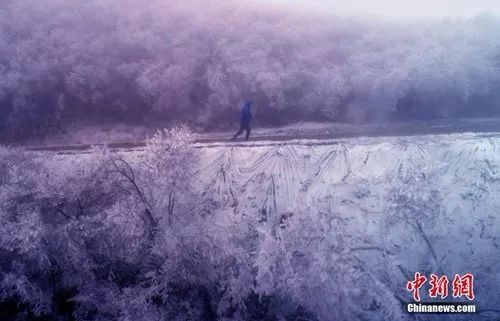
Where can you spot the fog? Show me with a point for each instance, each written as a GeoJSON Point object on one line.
{"type": "Point", "coordinates": [404, 8]}
{"type": "Point", "coordinates": [165, 62]}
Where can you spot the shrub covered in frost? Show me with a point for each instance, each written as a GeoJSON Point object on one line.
{"type": "Point", "coordinates": [114, 238]}
{"type": "Point", "coordinates": [137, 236]}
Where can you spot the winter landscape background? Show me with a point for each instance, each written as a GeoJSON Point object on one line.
{"type": "Point", "coordinates": [374, 155]}
{"type": "Point", "coordinates": [162, 62]}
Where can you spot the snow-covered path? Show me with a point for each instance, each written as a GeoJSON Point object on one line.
{"type": "Point", "coordinates": [79, 142]}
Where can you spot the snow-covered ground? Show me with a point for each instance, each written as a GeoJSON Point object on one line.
{"type": "Point", "coordinates": [135, 135]}
{"type": "Point", "coordinates": [391, 205]}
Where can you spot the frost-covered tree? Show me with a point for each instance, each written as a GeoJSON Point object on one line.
{"type": "Point", "coordinates": [127, 237]}
{"type": "Point", "coordinates": [76, 241]}
{"type": "Point", "coordinates": [171, 61]}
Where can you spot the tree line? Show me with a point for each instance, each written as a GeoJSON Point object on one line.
{"type": "Point", "coordinates": [108, 61]}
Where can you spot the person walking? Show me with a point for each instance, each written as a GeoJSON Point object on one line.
{"type": "Point", "coordinates": [246, 116]}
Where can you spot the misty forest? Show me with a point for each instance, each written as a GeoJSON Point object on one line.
{"type": "Point", "coordinates": [166, 61]}
{"type": "Point", "coordinates": [281, 229]}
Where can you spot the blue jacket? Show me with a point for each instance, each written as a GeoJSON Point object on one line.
{"type": "Point", "coordinates": [246, 111]}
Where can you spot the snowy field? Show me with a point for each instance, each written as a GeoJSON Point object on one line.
{"type": "Point", "coordinates": [342, 225]}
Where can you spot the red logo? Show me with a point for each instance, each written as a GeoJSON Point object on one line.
{"type": "Point", "coordinates": [416, 284]}
{"type": "Point", "coordinates": [463, 286]}
{"type": "Point", "coordinates": [439, 286]}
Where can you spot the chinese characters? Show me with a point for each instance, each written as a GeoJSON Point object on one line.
{"type": "Point", "coordinates": [463, 286]}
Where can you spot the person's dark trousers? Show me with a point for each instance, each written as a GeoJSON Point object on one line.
{"type": "Point", "coordinates": [244, 126]}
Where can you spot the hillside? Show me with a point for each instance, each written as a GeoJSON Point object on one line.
{"type": "Point", "coordinates": [339, 226]}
